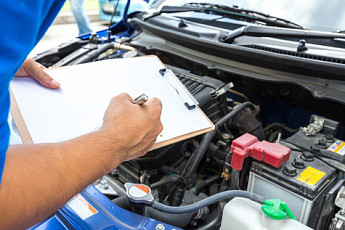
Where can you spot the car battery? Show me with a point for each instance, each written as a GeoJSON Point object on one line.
{"type": "Point", "coordinates": [320, 144]}
{"type": "Point", "coordinates": [301, 182]}
{"type": "Point", "coordinates": [323, 142]}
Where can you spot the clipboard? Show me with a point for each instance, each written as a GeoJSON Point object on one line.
{"type": "Point", "coordinates": [25, 92]}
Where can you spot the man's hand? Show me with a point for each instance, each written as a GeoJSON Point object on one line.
{"type": "Point", "coordinates": [31, 68]}
{"type": "Point", "coordinates": [131, 129]}
{"type": "Point", "coordinates": [55, 172]}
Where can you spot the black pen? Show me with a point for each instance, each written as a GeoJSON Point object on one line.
{"type": "Point", "coordinates": [141, 99]}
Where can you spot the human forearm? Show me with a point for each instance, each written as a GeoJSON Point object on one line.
{"type": "Point", "coordinates": [38, 179]}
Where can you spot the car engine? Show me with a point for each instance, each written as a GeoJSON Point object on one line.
{"type": "Point", "coordinates": [272, 113]}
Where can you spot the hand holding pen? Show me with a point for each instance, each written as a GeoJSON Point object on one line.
{"type": "Point", "coordinates": [141, 99]}
{"type": "Point", "coordinates": [130, 129]}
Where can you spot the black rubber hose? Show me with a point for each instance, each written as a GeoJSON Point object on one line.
{"type": "Point", "coordinates": [235, 111]}
{"type": "Point", "coordinates": [214, 222]}
{"type": "Point", "coordinates": [167, 179]}
{"type": "Point", "coordinates": [280, 125]}
{"type": "Point", "coordinates": [246, 122]}
{"type": "Point", "coordinates": [93, 54]}
{"type": "Point", "coordinates": [273, 136]}
{"type": "Point", "coordinates": [200, 152]}
{"type": "Point", "coordinates": [209, 200]}
{"type": "Point", "coordinates": [122, 202]}
{"type": "Point", "coordinates": [214, 150]}
{"type": "Point", "coordinates": [206, 182]}
{"type": "Point", "coordinates": [178, 220]}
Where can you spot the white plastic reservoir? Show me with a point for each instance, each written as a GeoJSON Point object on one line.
{"type": "Point", "coordinates": [244, 214]}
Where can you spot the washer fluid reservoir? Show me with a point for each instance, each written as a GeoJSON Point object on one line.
{"type": "Point", "coordinates": [244, 214]}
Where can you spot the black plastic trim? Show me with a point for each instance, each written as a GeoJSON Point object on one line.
{"type": "Point", "coordinates": [247, 55]}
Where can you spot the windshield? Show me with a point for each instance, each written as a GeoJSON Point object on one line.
{"type": "Point", "coordinates": [324, 15]}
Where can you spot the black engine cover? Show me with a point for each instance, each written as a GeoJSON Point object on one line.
{"type": "Point", "coordinates": [214, 106]}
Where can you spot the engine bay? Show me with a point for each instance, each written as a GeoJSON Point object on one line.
{"type": "Point", "coordinates": [275, 112]}
{"type": "Point", "coordinates": [191, 170]}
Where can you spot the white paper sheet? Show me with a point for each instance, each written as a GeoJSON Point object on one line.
{"type": "Point", "coordinates": [78, 106]}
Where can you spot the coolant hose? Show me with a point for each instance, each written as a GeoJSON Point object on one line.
{"type": "Point", "coordinates": [93, 54]}
{"type": "Point", "coordinates": [200, 152]}
{"type": "Point", "coordinates": [206, 182]}
{"type": "Point", "coordinates": [233, 112]}
{"type": "Point", "coordinates": [207, 201]}
{"type": "Point", "coordinates": [214, 221]}
{"type": "Point", "coordinates": [178, 220]}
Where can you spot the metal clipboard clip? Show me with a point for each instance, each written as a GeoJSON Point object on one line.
{"type": "Point", "coordinates": [186, 97]}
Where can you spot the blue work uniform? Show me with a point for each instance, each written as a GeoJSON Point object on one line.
{"type": "Point", "coordinates": [22, 25]}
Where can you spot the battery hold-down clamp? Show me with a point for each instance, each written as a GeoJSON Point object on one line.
{"type": "Point", "coordinates": [248, 145]}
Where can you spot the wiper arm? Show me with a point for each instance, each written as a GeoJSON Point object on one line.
{"type": "Point", "coordinates": [252, 15]}
{"type": "Point", "coordinates": [264, 31]}
{"type": "Point", "coordinates": [177, 9]}
{"type": "Point", "coordinates": [172, 9]}
{"type": "Point", "coordinates": [231, 12]}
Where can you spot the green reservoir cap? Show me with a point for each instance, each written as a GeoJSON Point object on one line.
{"type": "Point", "coordinates": [276, 209]}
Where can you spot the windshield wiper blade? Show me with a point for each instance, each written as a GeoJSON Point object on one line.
{"type": "Point", "coordinates": [230, 12]}
{"type": "Point", "coordinates": [251, 15]}
{"type": "Point", "coordinates": [177, 9]}
{"type": "Point", "coordinates": [264, 31]}
{"type": "Point", "coordinates": [172, 9]}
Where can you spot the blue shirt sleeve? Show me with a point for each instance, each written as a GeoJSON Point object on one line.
{"type": "Point", "coordinates": [22, 23]}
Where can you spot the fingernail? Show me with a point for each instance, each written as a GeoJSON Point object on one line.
{"type": "Point", "coordinates": [55, 83]}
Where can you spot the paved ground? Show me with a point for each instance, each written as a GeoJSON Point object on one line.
{"type": "Point", "coordinates": [88, 5]}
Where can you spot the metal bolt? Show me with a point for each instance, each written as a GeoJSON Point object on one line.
{"type": "Point", "coordinates": [226, 136]}
{"type": "Point", "coordinates": [160, 227]}
{"type": "Point", "coordinates": [290, 171]}
{"type": "Point", "coordinates": [298, 163]}
{"type": "Point", "coordinates": [339, 224]}
{"type": "Point", "coordinates": [319, 93]}
{"type": "Point", "coordinates": [187, 154]}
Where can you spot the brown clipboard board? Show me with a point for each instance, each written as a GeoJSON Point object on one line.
{"type": "Point", "coordinates": [27, 139]}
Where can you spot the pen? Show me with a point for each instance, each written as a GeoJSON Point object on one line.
{"type": "Point", "coordinates": [141, 99]}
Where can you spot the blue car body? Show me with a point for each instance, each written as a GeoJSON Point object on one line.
{"type": "Point", "coordinates": [103, 215]}
{"type": "Point", "coordinates": [106, 8]}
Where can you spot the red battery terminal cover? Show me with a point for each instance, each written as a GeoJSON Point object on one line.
{"type": "Point", "coordinates": [248, 145]}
